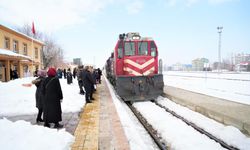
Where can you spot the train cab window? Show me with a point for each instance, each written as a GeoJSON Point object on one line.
{"type": "Point", "coordinates": [120, 53]}
{"type": "Point", "coordinates": [129, 48]}
{"type": "Point", "coordinates": [142, 48]}
{"type": "Point", "coordinates": [153, 49]}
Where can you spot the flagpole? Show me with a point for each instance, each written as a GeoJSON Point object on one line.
{"type": "Point", "coordinates": [32, 49]}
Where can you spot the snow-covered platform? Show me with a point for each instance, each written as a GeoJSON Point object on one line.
{"type": "Point", "coordinates": [99, 126]}
{"type": "Point", "coordinates": [224, 111]}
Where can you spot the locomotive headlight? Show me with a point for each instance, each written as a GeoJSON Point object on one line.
{"type": "Point", "coordinates": [136, 37]}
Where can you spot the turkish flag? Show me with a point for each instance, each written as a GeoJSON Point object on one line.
{"type": "Point", "coordinates": [33, 28]}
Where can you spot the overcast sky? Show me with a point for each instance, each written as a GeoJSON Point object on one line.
{"type": "Point", "coordinates": [183, 29]}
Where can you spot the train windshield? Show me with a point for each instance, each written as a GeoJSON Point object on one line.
{"type": "Point", "coordinates": [153, 49]}
{"type": "Point", "coordinates": [142, 48]}
{"type": "Point", "coordinates": [129, 48]}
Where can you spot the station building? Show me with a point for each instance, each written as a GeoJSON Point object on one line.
{"type": "Point", "coordinates": [18, 53]}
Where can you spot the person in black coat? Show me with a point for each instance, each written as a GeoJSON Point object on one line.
{"type": "Point", "coordinates": [98, 76]}
{"type": "Point", "coordinates": [52, 100]}
{"type": "Point", "coordinates": [74, 73]}
{"type": "Point", "coordinates": [69, 77]}
{"type": "Point", "coordinates": [15, 74]}
{"type": "Point", "coordinates": [93, 89]}
{"type": "Point", "coordinates": [11, 74]}
{"type": "Point", "coordinates": [88, 82]}
{"type": "Point", "coordinates": [39, 96]}
{"type": "Point", "coordinates": [79, 79]}
{"type": "Point", "coordinates": [64, 73]}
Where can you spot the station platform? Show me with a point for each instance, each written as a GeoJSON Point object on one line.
{"type": "Point", "coordinates": [221, 110]}
{"type": "Point", "coordinates": [99, 127]}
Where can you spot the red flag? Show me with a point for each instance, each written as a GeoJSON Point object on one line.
{"type": "Point", "coordinates": [33, 28]}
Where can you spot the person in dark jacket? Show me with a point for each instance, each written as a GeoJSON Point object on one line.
{"type": "Point", "coordinates": [52, 100]}
{"type": "Point", "coordinates": [87, 83]}
{"type": "Point", "coordinates": [98, 75]}
{"type": "Point", "coordinates": [15, 74]}
{"type": "Point", "coordinates": [79, 79]}
{"type": "Point", "coordinates": [69, 77]}
{"type": "Point", "coordinates": [39, 96]}
{"type": "Point", "coordinates": [74, 73]}
{"type": "Point", "coordinates": [11, 74]}
{"type": "Point", "coordinates": [59, 73]}
{"type": "Point", "coordinates": [93, 89]}
{"type": "Point", "coordinates": [64, 73]}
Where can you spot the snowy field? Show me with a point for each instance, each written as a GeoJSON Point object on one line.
{"type": "Point", "coordinates": [230, 86]}
{"type": "Point", "coordinates": [16, 99]}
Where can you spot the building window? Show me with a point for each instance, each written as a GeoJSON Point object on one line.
{"type": "Point", "coordinates": [25, 51]}
{"type": "Point", "coordinates": [6, 43]}
{"type": "Point", "coordinates": [36, 52]}
{"type": "Point", "coordinates": [15, 46]}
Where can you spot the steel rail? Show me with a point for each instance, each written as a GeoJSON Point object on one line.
{"type": "Point", "coordinates": [149, 128]}
{"type": "Point", "coordinates": [199, 129]}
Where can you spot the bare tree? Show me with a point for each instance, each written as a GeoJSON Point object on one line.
{"type": "Point", "coordinates": [52, 53]}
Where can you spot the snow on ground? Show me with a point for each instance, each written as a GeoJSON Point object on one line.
{"type": "Point", "coordinates": [230, 86]}
{"type": "Point", "coordinates": [175, 132]}
{"type": "Point", "coordinates": [137, 136]}
{"type": "Point", "coordinates": [22, 135]}
{"type": "Point", "coordinates": [229, 134]}
{"type": "Point", "coordinates": [16, 99]}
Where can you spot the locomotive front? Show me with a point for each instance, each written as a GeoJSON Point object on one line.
{"type": "Point", "coordinates": [133, 68]}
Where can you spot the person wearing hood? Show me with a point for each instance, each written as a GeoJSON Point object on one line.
{"type": "Point", "coordinates": [52, 99]}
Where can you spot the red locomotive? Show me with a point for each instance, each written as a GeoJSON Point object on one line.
{"type": "Point", "coordinates": [133, 68]}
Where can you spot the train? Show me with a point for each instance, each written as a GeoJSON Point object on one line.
{"type": "Point", "coordinates": [133, 68]}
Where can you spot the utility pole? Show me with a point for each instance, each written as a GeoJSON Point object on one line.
{"type": "Point", "coordinates": [219, 48]}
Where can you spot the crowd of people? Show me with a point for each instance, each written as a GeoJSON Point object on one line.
{"type": "Point", "coordinates": [49, 93]}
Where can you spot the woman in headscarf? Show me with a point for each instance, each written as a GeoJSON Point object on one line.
{"type": "Point", "coordinates": [52, 99]}
{"type": "Point", "coordinates": [39, 96]}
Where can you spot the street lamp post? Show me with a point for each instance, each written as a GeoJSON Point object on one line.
{"type": "Point", "coordinates": [219, 48]}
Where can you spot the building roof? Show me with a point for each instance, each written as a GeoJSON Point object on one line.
{"type": "Point", "coordinates": [12, 54]}
{"type": "Point", "coordinates": [22, 34]}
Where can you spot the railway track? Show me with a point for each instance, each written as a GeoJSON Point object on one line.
{"type": "Point", "coordinates": [160, 142]}
{"type": "Point", "coordinates": [202, 131]}
{"type": "Point", "coordinates": [153, 133]}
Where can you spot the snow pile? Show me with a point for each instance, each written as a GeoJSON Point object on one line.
{"type": "Point", "coordinates": [22, 135]}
